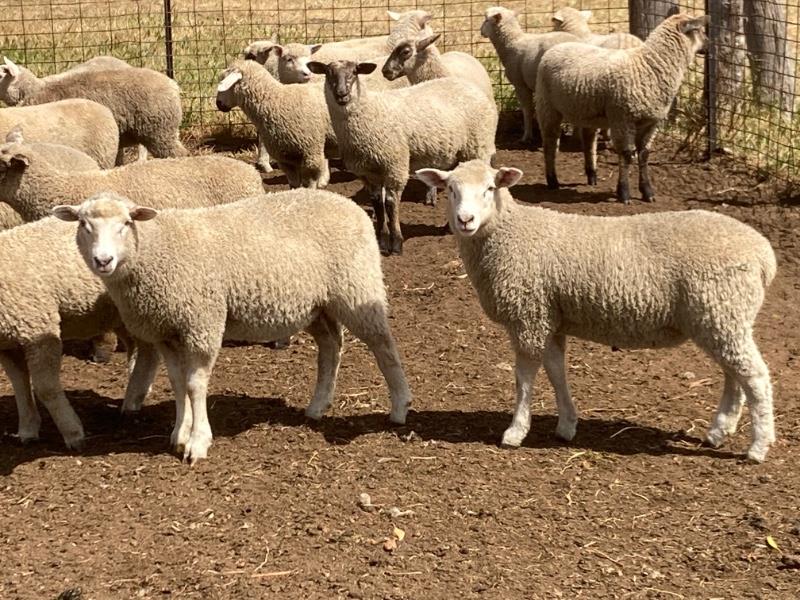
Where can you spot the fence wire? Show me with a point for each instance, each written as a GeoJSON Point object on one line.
{"type": "Point", "coordinates": [740, 99]}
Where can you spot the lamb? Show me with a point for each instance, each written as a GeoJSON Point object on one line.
{"type": "Point", "coordinates": [292, 120]}
{"type": "Point", "coordinates": [48, 295]}
{"type": "Point", "coordinates": [576, 22]}
{"type": "Point", "coordinates": [258, 269]}
{"type": "Point", "coordinates": [382, 135]}
{"type": "Point", "coordinates": [520, 53]}
{"type": "Point", "coordinates": [628, 91]}
{"type": "Point", "coordinates": [81, 124]}
{"type": "Point", "coordinates": [643, 281]}
{"type": "Point", "coordinates": [420, 60]}
{"type": "Point", "coordinates": [146, 104]}
{"type": "Point", "coordinates": [32, 185]}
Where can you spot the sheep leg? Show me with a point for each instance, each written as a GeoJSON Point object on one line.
{"type": "Point", "coordinates": [643, 154]}
{"type": "Point", "coordinates": [369, 323]}
{"type": "Point", "coordinates": [550, 140]}
{"type": "Point", "coordinates": [527, 366]}
{"type": "Point", "coordinates": [377, 196]}
{"type": "Point", "coordinates": [739, 355]}
{"type": "Point", "coordinates": [17, 371]}
{"type": "Point", "coordinates": [393, 216]}
{"type": "Point", "coordinates": [328, 335]}
{"type": "Point", "coordinates": [554, 360]}
{"type": "Point", "coordinates": [198, 371]}
{"type": "Point", "coordinates": [44, 365]}
{"type": "Point", "coordinates": [120, 160]}
{"type": "Point", "coordinates": [142, 153]}
{"type": "Point", "coordinates": [183, 409]}
{"type": "Point", "coordinates": [165, 146]}
{"type": "Point", "coordinates": [262, 161]}
{"type": "Point", "coordinates": [623, 145]}
{"type": "Point", "coordinates": [141, 377]}
{"type": "Point", "coordinates": [589, 142]}
{"type": "Point", "coordinates": [525, 98]}
{"type": "Point", "coordinates": [292, 174]}
{"type": "Point", "coordinates": [325, 177]}
{"type": "Point", "coordinates": [430, 196]}
{"type": "Point", "coordinates": [728, 413]}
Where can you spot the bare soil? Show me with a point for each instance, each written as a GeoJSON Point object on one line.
{"type": "Point", "coordinates": [635, 507]}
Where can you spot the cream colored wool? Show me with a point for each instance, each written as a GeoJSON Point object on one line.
{"type": "Point", "coordinates": [302, 260]}
{"type": "Point", "coordinates": [48, 295]}
{"type": "Point", "coordinates": [383, 135]}
{"type": "Point", "coordinates": [292, 121]}
{"type": "Point", "coordinates": [644, 281]}
{"type": "Point", "coordinates": [98, 63]}
{"type": "Point", "coordinates": [420, 60]}
{"type": "Point", "coordinates": [520, 53]}
{"type": "Point", "coordinates": [576, 22]}
{"type": "Point", "coordinates": [33, 185]}
{"type": "Point", "coordinates": [146, 104]}
{"type": "Point", "coordinates": [9, 217]}
{"type": "Point", "coordinates": [81, 124]}
{"type": "Point", "coordinates": [629, 91]}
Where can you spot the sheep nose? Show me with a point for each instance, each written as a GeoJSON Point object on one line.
{"type": "Point", "coordinates": [466, 219]}
{"type": "Point", "coordinates": [102, 261]}
{"type": "Point", "coordinates": [221, 107]}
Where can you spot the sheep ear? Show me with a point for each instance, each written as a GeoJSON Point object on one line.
{"type": "Point", "coordinates": [15, 135]}
{"type": "Point", "coordinates": [433, 177]}
{"type": "Point", "coordinates": [230, 80]}
{"type": "Point", "coordinates": [278, 50]}
{"type": "Point", "coordinates": [428, 41]}
{"type": "Point", "coordinates": [142, 213]}
{"type": "Point", "coordinates": [19, 161]}
{"type": "Point", "coordinates": [65, 212]}
{"type": "Point", "coordinates": [365, 68]}
{"type": "Point", "coordinates": [274, 37]}
{"type": "Point", "coordinates": [394, 16]}
{"type": "Point", "coordinates": [317, 67]}
{"type": "Point", "coordinates": [586, 15]}
{"type": "Point", "coordinates": [673, 10]}
{"type": "Point", "coordinates": [10, 67]}
{"type": "Point", "coordinates": [424, 19]}
{"type": "Point", "coordinates": [694, 24]}
{"type": "Point", "coordinates": [507, 177]}
{"type": "Point", "coordinates": [314, 47]}
{"type": "Point", "coordinates": [557, 17]}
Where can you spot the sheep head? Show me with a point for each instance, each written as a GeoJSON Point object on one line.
{"type": "Point", "coordinates": [341, 76]}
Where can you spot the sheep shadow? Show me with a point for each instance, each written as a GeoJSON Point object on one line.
{"type": "Point", "coordinates": [148, 431]}
{"type": "Point", "coordinates": [536, 193]}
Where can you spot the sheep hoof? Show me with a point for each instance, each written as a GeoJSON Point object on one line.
{"type": "Point", "coordinates": [566, 431]}
{"type": "Point", "coordinates": [397, 246]}
{"type": "Point", "coordinates": [757, 454]}
{"type": "Point", "coordinates": [552, 182]}
{"type": "Point", "coordinates": [512, 438]}
{"type": "Point", "coordinates": [384, 243]}
{"type": "Point", "coordinates": [27, 438]}
{"type": "Point", "coordinates": [648, 197]}
{"type": "Point", "coordinates": [715, 437]}
{"type": "Point", "coordinates": [196, 449]}
{"type": "Point", "coordinates": [398, 415]}
{"type": "Point", "coordinates": [591, 177]}
{"type": "Point", "coordinates": [264, 167]}
{"type": "Point", "coordinates": [314, 413]}
{"type": "Point", "coordinates": [75, 442]}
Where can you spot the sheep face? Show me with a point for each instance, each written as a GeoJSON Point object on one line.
{"type": "Point", "coordinates": [564, 17]}
{"type": "Point", "coordinates": [14, 158]}
{"type": "Point", "coordinates": [693, 28]}
{"type": "Point", "coordinates": [341, 76]}
{"type": "Point", "coordinates": [106, 230]}
{"type": "Point", "coordinates": [293, 62]}
{"type": "Point", "coordinates": [402, 58]}
{"type": "Point", "coordinates": [472, 193]}
{"type": "Point", "coordinates": [226, 96]}
{"type": "Point", "coordinates": [11, 76]}
{"type": "Point", "coordinates": [494, 16]}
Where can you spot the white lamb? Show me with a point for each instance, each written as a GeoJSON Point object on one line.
{"type": "Point", "coordinates": [383, 135]}
{"type": "Point", "coordinates": [520, 53]}
{"type": "Point", "coordinates": [643, 281]}
{"type": "Point", "coordinates": [259, 269]}
{"type": "Point", "coordinates": [628, 91]}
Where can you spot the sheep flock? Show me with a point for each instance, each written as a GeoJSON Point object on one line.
{"type": "Point", "coordinates": [176, 254]}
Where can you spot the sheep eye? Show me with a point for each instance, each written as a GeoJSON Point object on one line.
{"type": "Point", "coordinates": [128, 223]}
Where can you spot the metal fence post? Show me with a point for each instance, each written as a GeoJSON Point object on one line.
{"type": "Point", "coordinates": [714, 11]}
{"type": "Point", "coordinates": [168, 38]}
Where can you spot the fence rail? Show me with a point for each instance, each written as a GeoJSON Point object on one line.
{"type": "Point", "coordinates": [740, 99]}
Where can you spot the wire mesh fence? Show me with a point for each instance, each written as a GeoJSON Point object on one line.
{"type": "Point", "coordinates": [740, 99]}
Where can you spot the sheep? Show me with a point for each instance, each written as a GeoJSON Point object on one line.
{"type": "Point", "coordinates": [421, 60]}
{"type": "Point", "coordinates": [258, 269]}
{"type": "Point", "coordinates": [628, 91]}
{"type": "Point", "coordinates": [642, 281]}
{"type": "Point", "coordinates": [292, 120]}
{"type": "Point", "coordinates": [576, 22]}
{"type": "Point", "coordinates": [32, 185]}
{"type": "Point", "coordinates": [81, 124]}
{"type": "Point", "coordinates": [98, 63]}
{"type": "Point", "coordinates": [382, 135]}
{"type": "Point", "coordinates": [65, 157]}
{"type": "Point", "coordinates": [146, 104]}
{"type": "Point", "coordinates": [47, 294]}
{"type": "Point", "coordinates": [520, 53]}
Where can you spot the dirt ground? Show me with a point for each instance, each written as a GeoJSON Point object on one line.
{"type": "Point", "coordinates": [635, 507]}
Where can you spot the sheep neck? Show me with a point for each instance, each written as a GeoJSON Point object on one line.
{"type": "Point", "coordinates": [577, 28]}
{"type": "Point", "coordinates": [504, 35]}
{"type": "Point", "coordinates": [29, 86]}
{"type": "Point", "coordinates": [427, 65]}
{"type": "Point", "coordinates": [257, 90]}
{"type": "Point", "coordinates": [24, 191]}
{"type": "Point", "coordinates": [657, 57]}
